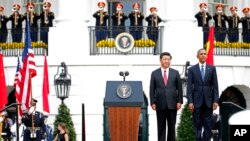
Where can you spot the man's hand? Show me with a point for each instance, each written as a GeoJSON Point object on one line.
{"type": "Point", "coordinates": [153, 106]}
{"type": "Point", "coordinates": [31, 110]}
{"type": "Point", "coordinates": [191, 107]}
{"type": "Point", "coordinates": [178, 106]}
{"type": "Point", "coordinates": [215, 105]}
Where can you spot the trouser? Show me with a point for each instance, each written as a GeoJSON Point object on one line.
{"type": "Point", "coordinates": [101, 34]}
{"type": "Point", "coordinates": [16, 35]}
{"type": "Point", "coordinates": [34, 34]}
{"type": "Point", "coordinates": [168, 115]}
{"type": "Point", "coordinates": [44, 34]}
{"type": "Point", "coordinates": [202, 118]}
{"type": "Point", "coordinates": [3, 35]}
{"type": "Point", "coordinates": [233, 35]}
{"type": "Point", "coordinates": [220, 34]}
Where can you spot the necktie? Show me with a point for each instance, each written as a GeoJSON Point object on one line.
{"type": "Point", "coordinates": [165, 78]}
{"type": "Point", "coordinates": [202, 72]}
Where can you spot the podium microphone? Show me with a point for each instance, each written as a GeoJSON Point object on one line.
{"type": "Point", "coordinates": [121, 73]}
{"type": "Point", "coordinates": [124, 74]}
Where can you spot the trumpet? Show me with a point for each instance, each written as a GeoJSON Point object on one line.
{"type": "Point", "coordinates": [0, 21]}
{"type": "Point", "coordinates": [119, 17]}
{"type": "Point", "coordinates": [45, 7]}
{"type": "Point", "coordinates": [219, 19]}
{"type": "Point", "coordinates": [15, 19]}
{"type": "Point", "coordinates": [31, 16]}
{"type": "Point", "coordinates": [136, 18]}
{"type": "Point", "coordinates": [204, 17]}
{"type": "Point", "coordinates": [101, 17]}
{"type": "Point", "coordinates": [155, 20]}
{"type": "Point", "coordinates": [46, 19]}
{"type": "Point", "coordinates": [235, 20]}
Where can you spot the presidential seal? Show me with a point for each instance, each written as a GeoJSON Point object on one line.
{"type": "Point", "coordinates": [124, 90]}
{"type": "Point", "coordinates": [124, 42]}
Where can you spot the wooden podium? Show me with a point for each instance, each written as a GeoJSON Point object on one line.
{"type": "Point", "coordinates": [124, 101]}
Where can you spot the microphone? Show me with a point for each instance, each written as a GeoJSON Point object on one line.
{"type": "Point", "coordinates": [121, 73]}
{"type": "Point", "coordinates": [126, 73]}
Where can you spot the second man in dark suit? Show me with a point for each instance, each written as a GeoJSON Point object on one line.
{"type": "Point", "coordinates": [47, 18]}
{"type": "Point", "coordinates": [166, 96]}
{"type": "Point", "coordinates": [16, 23]}
{"type": "Point", "coordinates": [136, 21]}
{"type": "Point", "coordinates": [33, 20]}
{"type": "Point", "coordinates": [202, 94]}
{"type": "Point", "coordinates": [220, 19]}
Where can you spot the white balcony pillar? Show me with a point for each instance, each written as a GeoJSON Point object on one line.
{"type": "Point", "coordinates": [72, 12]}
{"type": "Point", "coordinates": [69, 39]}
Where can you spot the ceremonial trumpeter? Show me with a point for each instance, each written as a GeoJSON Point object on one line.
{"type": "Point", "coordinates": [203, 18]}
{"type": "Point", "coordinates": [136, 21]}
{"type": "Point", "coordinates": [16, 23]}
{"type": "Point", "coordinates": [47, 18]}
{"type": "Point", "coordinates": [233, 25]}
{"type": "Point", "coordinates": [101, 17]}
{"type": "Point", "coordinates": [119, 18]}
{"type": "Point", "coordinates": [153, 20]}
{"type": "Point", "coordinates": [220, 19]}
{"type": "Point", "coordinates": [34, 121]}
{"type": "Point", "coordinates": [33, 18]}
{"type": "Point", "coordinates": [3, 25]}
{"type": "Point", "coordinates": [246, 25]}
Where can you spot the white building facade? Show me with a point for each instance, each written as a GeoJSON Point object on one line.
{"type": "Point", "coordinates": [69, 41]}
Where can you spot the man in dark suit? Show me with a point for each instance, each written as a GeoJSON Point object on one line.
{"type": "Point", "coordinates": [246, 25]}
{"type": "Point", "coordinates": [136, 21]}
{"type": "Point", "coordinates": [166, 96]}
{"type": "Point", "coordinates": [16, 23]}
{"type": "Point", "coordinates": [220, 19]}
{"type": "Point", "coordinates": [153, 20]}
{"type": "Point", "coordinates": [203, 18]}
{"type": "Point", "coordinates": [33, 20]}
{"type": "Point", "coordinates": [202, 93]}
{"type": "Point", "coordinates": [34, 121]}
{"type": "Point", "coordinates": [47, 18]}
{"type": "Point", "coordinates": [119, 18]}
{"type": "Point", "coordinates": [233, 25]}
{"type": "Point", "coordinates": [3, 25]}
{"type": "Point", "coordinates": [101, 17]}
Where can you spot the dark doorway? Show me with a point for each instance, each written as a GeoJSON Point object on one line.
{"type": "Point", "coordinates": [233, 94]}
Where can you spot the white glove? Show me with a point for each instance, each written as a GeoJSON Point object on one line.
{"type": "Point", "coordinates": [32, 109]}
{"type": "Point", "coordinates": [1, 119]}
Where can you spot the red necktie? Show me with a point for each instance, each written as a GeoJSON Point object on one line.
{"type": "Point", "coordinates": [165, 78]}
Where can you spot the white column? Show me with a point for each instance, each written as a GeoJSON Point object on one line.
{"type": "Point", "coordinates": [69, 39]}
{"type": "Point", "coordinates": [72, 11]}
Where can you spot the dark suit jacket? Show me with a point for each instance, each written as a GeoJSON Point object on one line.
{"type": "Point", "coordinates": [162, 95]}
{"type": "Point", "coordinates": [199, 90]}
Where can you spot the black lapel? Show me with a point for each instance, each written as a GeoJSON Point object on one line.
{"type": "Point", "coordinates": [208, 68]}
{"type": "Point", "coordinates": [170, 75]}
{"type": "Point", "coordinates": [199, 71]}
{"type": "Point", "coordinates": [159, 74]}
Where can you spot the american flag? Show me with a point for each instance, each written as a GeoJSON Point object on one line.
{"type": "Point", "coordinates": [17, 71]}
{"type": "Point", "coordinates": [26, 73]}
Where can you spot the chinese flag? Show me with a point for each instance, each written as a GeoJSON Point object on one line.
{"type": "Point", "coordinates": [210, 47]}
{"type": "Point", "coordinates": [45, 87]}
{"type": "Point", "coordinates": [3, 90]}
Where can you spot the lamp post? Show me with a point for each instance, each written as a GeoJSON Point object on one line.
{"type": "Point", "coordinates": [184, 78]}
{"type": "Point", "coordinates": [62, 82]}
